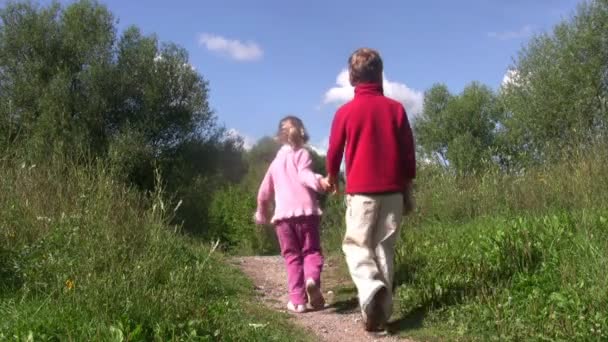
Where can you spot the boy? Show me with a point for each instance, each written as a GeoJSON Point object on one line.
{"type": "Point", "coordinates": [380, 165]}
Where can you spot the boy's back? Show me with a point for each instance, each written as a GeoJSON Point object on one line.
{"type": "Point", "coordinates": [379, 143]}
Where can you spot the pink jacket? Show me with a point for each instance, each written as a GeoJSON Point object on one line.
{"type": "Point", "coordinates": [292, 183]}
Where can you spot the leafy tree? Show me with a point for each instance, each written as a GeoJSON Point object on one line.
{"type": "Point", "coordinates": [68, 82]}
{"type": "Point", "coordinates": [50, 63]}
{"type": "Point", "coordinates": [557, 98]}
{"type": "Point", "coordinates": [70, 86]}
{"type": "Point", "coordinates": [460, 130]}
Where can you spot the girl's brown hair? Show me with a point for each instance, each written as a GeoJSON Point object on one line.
{"type": "Point", "coordinates": [297, 136]}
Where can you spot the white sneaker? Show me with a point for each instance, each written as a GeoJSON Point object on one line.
{"type": "Point", "coordinates": [300, 308]}
{"type": "Point", "coordinates": [315, 297]}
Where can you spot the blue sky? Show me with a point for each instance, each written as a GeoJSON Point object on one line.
{"type": "Point", "coordinates": [266, 59]}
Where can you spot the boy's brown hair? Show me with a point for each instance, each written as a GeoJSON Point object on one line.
{"type": "Point", "coordinates": [365, 66]}
{"type": "Point", "coordinates": [297, 136]}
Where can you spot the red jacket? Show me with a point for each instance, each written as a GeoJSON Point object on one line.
{"type": "Point", "coordinates": [380, 155]}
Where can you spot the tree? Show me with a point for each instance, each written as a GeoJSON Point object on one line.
{"type": "Point", "coordinates": [557, 97]}
{"type": "Point", "coordinates": [460, 129]}
{"type": "Point", "coordinates": [67, 83]}
{"type": "Point", "coordinates": [71, 87]}
{"type": "Point", "coordinates": [431, 127]}
{"type": "Point", "coordinates": [50, 61]}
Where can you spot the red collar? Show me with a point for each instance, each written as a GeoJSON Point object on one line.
{"type": "Point", "coordinates": [369, 89]}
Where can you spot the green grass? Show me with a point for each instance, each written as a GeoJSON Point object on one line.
{"type": "Point", "coordinates": [83, 258]}
{"type": "Point", "coordinates": [526, 278]}
{"type": "Point", "coordinates": [508, 257]}
{"type": "Point", "coordinates": [501, 257]}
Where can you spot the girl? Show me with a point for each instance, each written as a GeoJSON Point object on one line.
{"type": "Point", "coordinates": [293, 186]}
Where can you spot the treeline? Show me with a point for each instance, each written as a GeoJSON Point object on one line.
{"type": "Point", "coordinates": [73, 88]}
{"type": "Point", "coordinates": [553, 103]}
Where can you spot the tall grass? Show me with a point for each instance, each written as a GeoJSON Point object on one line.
{"type": "Point", "coordinates": [84, 258]}
{"type": "Point", "coordinates": [509, 257]}
{"type": "Point", "coordinates": [577, 182]}
{"type": "Point", "coordinates": [498, 256]}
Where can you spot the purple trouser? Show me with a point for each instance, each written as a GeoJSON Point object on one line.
{"type": "Point", "coordinates": [301, 248]}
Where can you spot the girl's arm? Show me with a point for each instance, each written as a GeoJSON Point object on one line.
{"type": "Point", "coordinates": [265, 195]}
{"type": "Point", "coordinates": [307, 177]}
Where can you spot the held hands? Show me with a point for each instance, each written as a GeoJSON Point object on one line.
{"type": "Point", "coordinates": [325, 185]}
{"type": "Point", "coordinates": [329, 185]}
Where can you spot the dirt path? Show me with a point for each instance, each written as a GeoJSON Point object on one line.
{"type": "Point", "coordinates": [340, 321]}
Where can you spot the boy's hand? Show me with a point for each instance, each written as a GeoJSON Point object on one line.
{"type": "Point", "coordinates": [409, 204]}
{"type": "Point", "coordinates": [333, 182]}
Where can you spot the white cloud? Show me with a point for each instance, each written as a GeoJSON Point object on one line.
{"type": "Point", "coordinates": [321, 149]}
{"type": "Point", "coordinates": [160, 59]}
{"type": "Point", "coordinates": [235, 49]}
{"type": "Point", "coordinates": [248, 141]}
{"type": "Point", "coordinates": [514, 78]}
{"type": "Point", "coordinates": [343, 92]}
{"type": "Point", "coordinates": [511, 77]}
{"type": "Point", "coordinates": [523, 32]}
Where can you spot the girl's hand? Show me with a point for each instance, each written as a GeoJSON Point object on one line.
{"type": "Point", "coordinates": [260, 218]}
{"type": "Point", "coordinates": [328, 185]}
{"type": "Point", "coordinates": [325, 184]}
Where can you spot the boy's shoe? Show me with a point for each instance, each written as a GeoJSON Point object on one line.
{"type": "Point", "coordinates": [315, 297]}
{"type": "Point", "coordinates": [375, 320]}
{"type": "Point", "coordinates": [296, 308]}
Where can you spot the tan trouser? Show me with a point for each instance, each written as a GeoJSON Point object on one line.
{"type": "Point", "coordinates": [372, 227]}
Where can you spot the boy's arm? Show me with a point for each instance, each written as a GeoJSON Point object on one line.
{"type": "Point", "coordinates": [335, 152]}
{"type": "Point", "coordinates": [307, 177]}
{"type": "Point", "coordinates": [408, 148]}
{"type": "Point", "coordinates": [409, 160]}
{"type": "Point", "coordinates": [265, 194]}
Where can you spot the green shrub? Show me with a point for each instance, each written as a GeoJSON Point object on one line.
{"type": "Point", "coordinates": [231, 221]}
{"type": "Point", "coordinates": [333, 224]}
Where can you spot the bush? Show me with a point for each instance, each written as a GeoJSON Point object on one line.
{"type": "Point", "coordinates": [333, 225]}
{"type": "Point", "coordinates": [231, 217]}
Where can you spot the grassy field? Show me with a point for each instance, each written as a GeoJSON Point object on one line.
{"type": "Point", "coordinates": [496, 257]}
{"type": "Point", "coordinates": [83, 258]}
{"type": "Point", "coordinates": [484, 257]}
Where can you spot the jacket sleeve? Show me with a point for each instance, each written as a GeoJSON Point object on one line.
{"type": "Point", "coordinates": [407, 148]}
{"type": "Point", "coordinates": [265, 194]}
{"type": "Point", "coordinates": [307, 177]}
{"type": "Point", "coordinates": [337, 140]}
